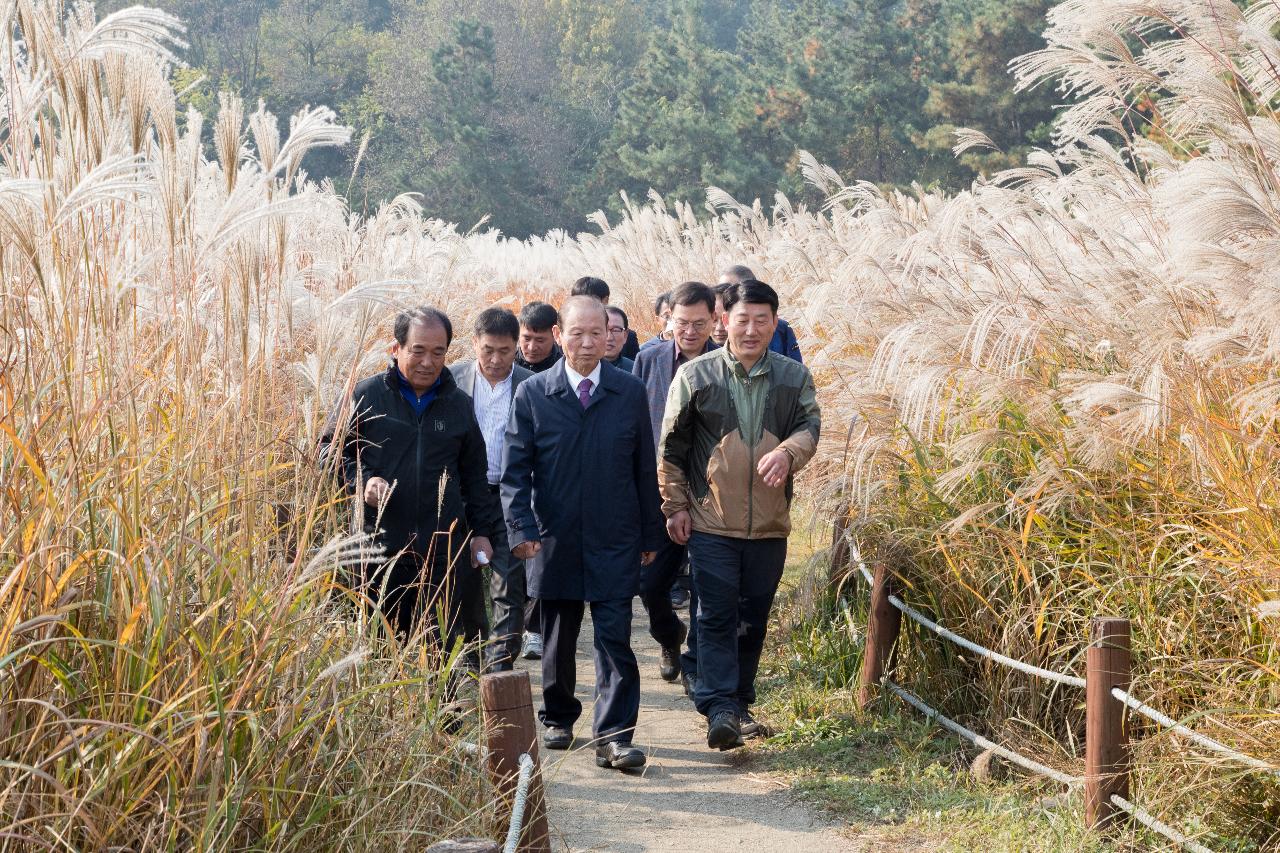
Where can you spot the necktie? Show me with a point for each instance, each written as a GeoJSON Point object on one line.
{"type": "Point", "coordinates": [584, 392]}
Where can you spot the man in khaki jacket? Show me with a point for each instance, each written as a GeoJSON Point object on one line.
{"type": "Point", "coordinates": [740, 421]}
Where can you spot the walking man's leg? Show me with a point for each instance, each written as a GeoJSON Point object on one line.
{"type": "Point", "coordinates": [664, 626]}
{"type": "Point", "coordinates": [762, 564]}
{"type": "Point", "coordinates": [617, 685]}
{"type": "Point", "coordinates": [507, 587]}
{"type": "Point", "coordinates": [532, 645]}
{"type": "Point", "coordinates": [689, 658]}
{"type": "Point", "coordinates": [717, 566]}
{"type": "Point", "coordinates": [561, 622]}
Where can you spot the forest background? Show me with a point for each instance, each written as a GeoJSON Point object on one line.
{"type": "Point", "coordinates": [535, 113]}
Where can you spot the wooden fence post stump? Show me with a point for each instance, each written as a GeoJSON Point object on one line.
{"type": "Point", "coordinates": [1108, 664]}
{"type": "Point", "coordinates": [507, 701]}
{"type": "Point", "coordinates": [883, 627]}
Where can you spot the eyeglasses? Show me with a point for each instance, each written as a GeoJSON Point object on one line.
{"type": "Point", "coordinates": [696, 325]}
{"type": "Point", "coordinates": [616, 330]}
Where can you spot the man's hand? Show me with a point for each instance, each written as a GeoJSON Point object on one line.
{"type": "Point", "coordinates": [774, 467]}
{"type": "Point", "coordinates": [480, 545]}
{"type": "Point", "coordinates": [376, 490]}
{"type": "Point", "coordinates": [646, 557]}
{"type": "Point", "coordinates": [526, 550]}
{"type": "Point", "coordinates": [679, 527]}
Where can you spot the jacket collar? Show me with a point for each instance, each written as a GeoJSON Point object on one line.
{"type": "Point", "coordinates": [611, 379]}
{"type": "Point", "coordinates": [760, 368]}
{"type": "Point", "coordinates": [673, 349]}
{"type": "Point", "coordinates": [443, 384]}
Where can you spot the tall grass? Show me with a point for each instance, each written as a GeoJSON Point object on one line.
{"type": "Point", "coordinates": [177, 669]}
{"type": "Point", "coordinates": [1055, 392]}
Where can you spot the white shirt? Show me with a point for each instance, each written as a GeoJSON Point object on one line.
{"type": "Point", "coordinates": [492, 404]}
{"type": "Point", "coordinates": [575, 378]}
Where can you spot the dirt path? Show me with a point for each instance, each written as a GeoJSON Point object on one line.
{"type": "Point", "coordinates": [687, 798]}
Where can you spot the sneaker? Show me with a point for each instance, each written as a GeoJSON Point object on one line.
{"type": "Point", "coordinates": [532, 649]}
{"type": "Point", "coordinates": [679, 598]}
{"type": "Point", "coordinates": [723, 731]}
{"type": "Point", "coordinates": [753, 728]}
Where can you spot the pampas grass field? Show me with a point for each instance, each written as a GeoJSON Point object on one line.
{"type": "Point", "coordinates": [1057, 393]}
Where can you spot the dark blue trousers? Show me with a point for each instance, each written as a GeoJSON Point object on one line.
{"type": "Point", "coordinates": [617, 674]}
{"type": "Point", "coordinates": [736, 580]}
{"type": "Point", "coordinates": [655, 593]}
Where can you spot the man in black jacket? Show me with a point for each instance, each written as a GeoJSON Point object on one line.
{"type": "Point", "coordinates": [408, 446]}
{"type": "Point", "coordinates": [538, 350]}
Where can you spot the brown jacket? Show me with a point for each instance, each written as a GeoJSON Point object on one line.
{"type": "Point", "coordinates": [719, 422]}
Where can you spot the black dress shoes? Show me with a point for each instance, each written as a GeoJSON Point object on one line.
{"type": "Point", "coordinates": [557, 738]}
{"type": "Point", "coordinates": [753, 728]}
{"type": "Point", "coordinates": [724, 731]}
{"type": "Point", "coordinates": [669, 660]}
{"type": "Point", "coordinates": [619, 756]}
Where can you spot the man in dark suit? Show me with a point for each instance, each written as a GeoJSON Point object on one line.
{"type": "Point", "coordinates": [408, 447]}
{"type": "Point", "coordinates": [591, 286]}
{"type": "Point", "coordinates": [491, 380]}
{"type": "Point", "coordinates": [579, 488]}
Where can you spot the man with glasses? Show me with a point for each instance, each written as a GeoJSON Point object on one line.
{"type": "Point", "coordinates": [615, 338]}
{"type": "Point", "coordinates": [692, 307]}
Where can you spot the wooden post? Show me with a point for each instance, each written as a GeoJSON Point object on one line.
{"type": "Point", "coordinates": [507, 702]}
{"type": "Point", "coordinates": [883, 626]}
{"type": "Point", "coordinates": [1108, 664]}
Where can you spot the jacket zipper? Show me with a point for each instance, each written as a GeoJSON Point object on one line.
{"type": "Point", "coordinates": [751, 473]}
{"type": "Point", "coordinates": [417, 470]}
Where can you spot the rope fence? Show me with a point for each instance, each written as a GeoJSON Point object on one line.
{"type": "Point", "coordinates": [1154, 824]}
{"type": "Point", "coordinates": [1107, 675]}
{"type": "Point", "coordinates": [517, 807]}
{"type": "Point", "coordinates": [1195, 737]}
{"type": "Point", "coordinates": [978, 740]}
{"type": "Point", "coordinates": [982, 651]}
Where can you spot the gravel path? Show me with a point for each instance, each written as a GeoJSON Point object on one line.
{"type": "Point", "coordinates": [688, 798]}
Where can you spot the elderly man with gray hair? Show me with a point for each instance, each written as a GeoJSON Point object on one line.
{"type": "Point", "coordinates": [580, 492]}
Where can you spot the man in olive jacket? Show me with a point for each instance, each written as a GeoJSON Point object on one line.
{"type": "Point", "coordinates": [407, 444]}
{"type": "Point", "coordinates": [740, 421]}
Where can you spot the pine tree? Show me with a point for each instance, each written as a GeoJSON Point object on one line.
{"type": "Point", "coordinates": [832, 77]}
{"type": "Point", "coordinates": [678, 126]}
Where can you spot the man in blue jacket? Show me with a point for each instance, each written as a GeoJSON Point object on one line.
{"type": "Point", "coordinates": [579, 489]}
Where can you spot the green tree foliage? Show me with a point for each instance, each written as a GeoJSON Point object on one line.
{"type": "Point", "coordinates": [967, 76]}
{"type": "Point", "coordinates": [833, 77]}
{"type": "Point", "coordinates": [537, 112]}
{"type": "Point", "coordinates": [679, 126]}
